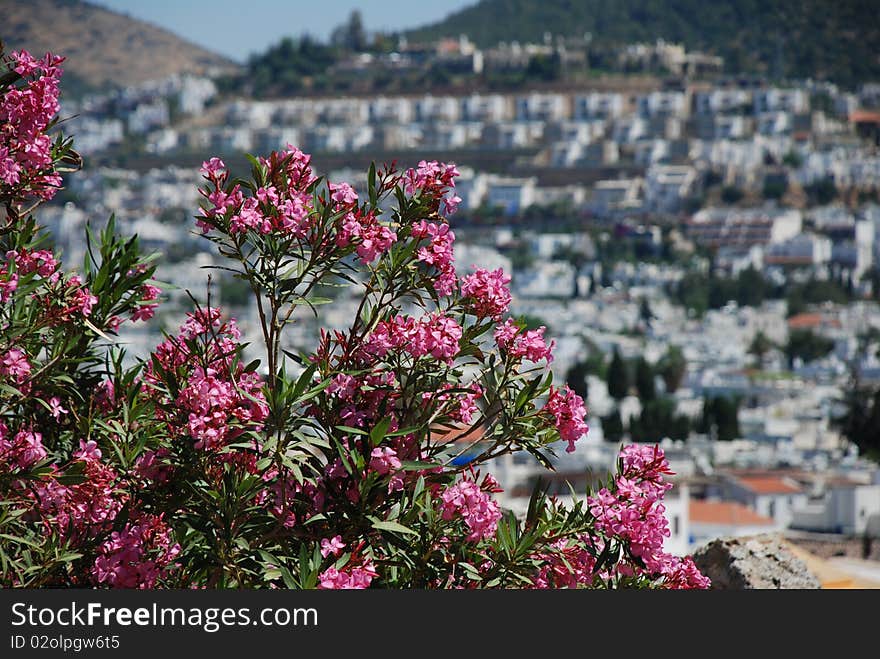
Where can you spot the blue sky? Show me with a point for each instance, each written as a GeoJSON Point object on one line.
{"type": "Point", "coordinates": [236, 28]}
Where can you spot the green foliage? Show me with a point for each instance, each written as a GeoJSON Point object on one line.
{"type": "Point", "coordinates": [658, 421]}
{"type": "Point", "coordinates": [672, 368]}
{"type": "Point", "coordinates": [645, 381]}
{"type": "Point", "coordinates": [783, 38]}
{"type": "Point", "coordinates": [618, 377]}
{"type": "Point", "coordinates": [807, 345]}
{"type": "Point", "coordinates": [720, 418]}
{"type": "Point", "coordinates": [861, 423]}
{"type": "Point", "coordinates": [821, 192]}
{"type": "Point", "coordinates": [731, 194]}
{"type": "Point", "coordinates": [612, 426]}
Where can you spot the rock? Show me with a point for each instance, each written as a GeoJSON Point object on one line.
{"type": "Point", "coordinates": [758, 562]}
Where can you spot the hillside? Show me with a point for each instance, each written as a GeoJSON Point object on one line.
{"type": "Point", "coordinates": [779, 38]}
{"type": "Point", "coordinates": [103, 48]}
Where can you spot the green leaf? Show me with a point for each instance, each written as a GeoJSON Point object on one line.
{"type": "Point", "coordinates": [394, 527]}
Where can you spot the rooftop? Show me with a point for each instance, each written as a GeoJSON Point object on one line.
{"type": "Point", "coordinates": [725, 512]}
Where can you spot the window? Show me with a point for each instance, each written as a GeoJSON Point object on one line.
{"type": "Point", "coordinates": [675, 524]}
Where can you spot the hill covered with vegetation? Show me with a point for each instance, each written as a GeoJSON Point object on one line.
{"type": "Point", "coordinates": [777, 38]}
{"type": "Point", "coordinates": [103, 48]}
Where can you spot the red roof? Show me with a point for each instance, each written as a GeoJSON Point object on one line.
{"type": "Point", "coordinates": [865, 117]}
{"type": "Point", "coordinates": [768, 485]}
{"type": "Point", "coordinates": [810, 321]}
{"type": "Point", "coordinates": [725, 512]}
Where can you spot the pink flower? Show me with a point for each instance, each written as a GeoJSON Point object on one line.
{"type": "Point", "coordinates": [529, 344]}
{"type": "Point", "coordinates": [384, 460]}
{"type": "Point", "coordinates": [15, 365]}
{"type": "Point", "coordinates": [212, 168]}
{"type": "Point", "coordinates": [343, 194]}
{"type": "Point", "coordinates": [56, 410]}
{"type": "Point", "coordinates": [488, 291]}
{"type": "Point", "coordinates": [332, 546]}
{"type": "Point", "coordinates": [569, 413]}
{"type": "Point", "coordinates": [25, 450]}
{"type": "Point", "coordinates": [438, 253]}
{"type": "Point", "coordinates": [350, 577]}
{"type": "Point", "coordinates": [467, 500]}
{"type": "Point", "coordinates": [137, 556]}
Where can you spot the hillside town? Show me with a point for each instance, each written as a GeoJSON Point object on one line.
{"type": "Point", "coordinates": [703, 249]}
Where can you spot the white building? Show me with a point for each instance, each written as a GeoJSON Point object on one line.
{"type": "Point", "coordinates": [662, 104]}
{"type": "Point", "coordinates": [597, 106]}
{"type": "Point", "coordinates": [710, 520]}
{"type": "Point", "coordinates": [845, 507]}
{"type": "Point", "coordinates": [721, 101]}
{"type": "Point", "coordinates": [667, 186]}
{"type": "Point", "coordinates": [437, 108]}
{"type": "Point", "coordinates": [512, 195]}
{"type": "Point", "coordinates": [785, 100]}
{"type": "Point", "coordinates": [616, 194]}
{"type": "Point", "coordinates": [542, 107]}
{"type": "Point", "coordinates": [397, 110]}
{"type": "Point", "coordinates": [806, 249]}
{"type": "Point", "coordinates": [491, 108]}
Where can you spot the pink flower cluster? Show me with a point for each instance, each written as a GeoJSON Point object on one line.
{"type": "Point", "coordinates": [435, 334]}
{"type": "Point", "coordinates": [490, 296]}
{"type": "Point", "coordinates": [362, 399]}
{"type": "Point", "coordinates": [633, 514]}
{"type": "Point", "coordinates": [66, 301]}
{"type": "Point", "coordinates": [147, 308]}
{"type": "Point", "coordinates": [137, 556]}
{"type": "Point", "coordinates": [570, 565]}
{"type": "Point", "coordinates": [518, 344]}
{"type": "Point", "coordinates": [473, 503]}
{"type": "Point", "coordinates": [283, 207]}
{"type": "Point", "coordinates": [569, 412]}
{"type": "Point", "coordinates": [435, 180]}
{"type": "Point", "coordinates": [25, 114]}
{"type": "Point", "coordinates": [81, 511]}
{"type": "Point", "coordinates": [438, 253]}
{"type": "Point", "coordinates": [23, 262]}
{"type": "Point", "coordinates": [15, 368]}
{"type": "Point", "coordinates": [355, 575]}
{"type": "Point", "coordinates": [23, 451]}
{"type": "Point", "coordinates": [218, 400]}
{"type": "Point", "coordinates": [364, 230]}
{"type": "Point", "coordinates": [462, 405]}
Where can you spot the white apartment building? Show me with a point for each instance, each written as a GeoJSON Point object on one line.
{"type": "Point", "coordinates": [667, 186]}
{"type": "Point", "coordinates": [721, 101]}
{"type": "Point", "coordinates": [597, 106]}
{"type": "Point", "coordinates": [784, 100]}
{"type": "Point", "coordinates": [542, 107]}
{"type": "Point", "coordinates": [662, 104]}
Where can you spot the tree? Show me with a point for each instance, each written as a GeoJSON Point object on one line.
{"type": "Point", "coordinates": [618, 377]}
{"type": "Point", "coordinates": [645, 313]}
{"type": "Point", "coordinates": [672, 368]}
{"type": "Point", "coordinates": [645, 385]}
{"type": "Point", "coordinates": [861, 422]}
{"type": "Point", "coordinates": [576, 378]}
{"type": "Point", "coordinates": [351, 34]}
{"type": "Point", "coordinates": [760, 346]}
{"type": "Point", "coordinates": [807, 346]}
{"type": "Point", "coordinates": [612, 426]}
{"type": "Point", "coordinates": [731, 194]}
{"type": "Point", "coordinates": [335, 467]}
{"type": "Point", "coordinates": [720, 418]}
{"type": "Point", "coordinates": [657, 421]}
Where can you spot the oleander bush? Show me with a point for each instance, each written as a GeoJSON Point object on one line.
{"type": "Point", "coordinates": [359, 464]}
